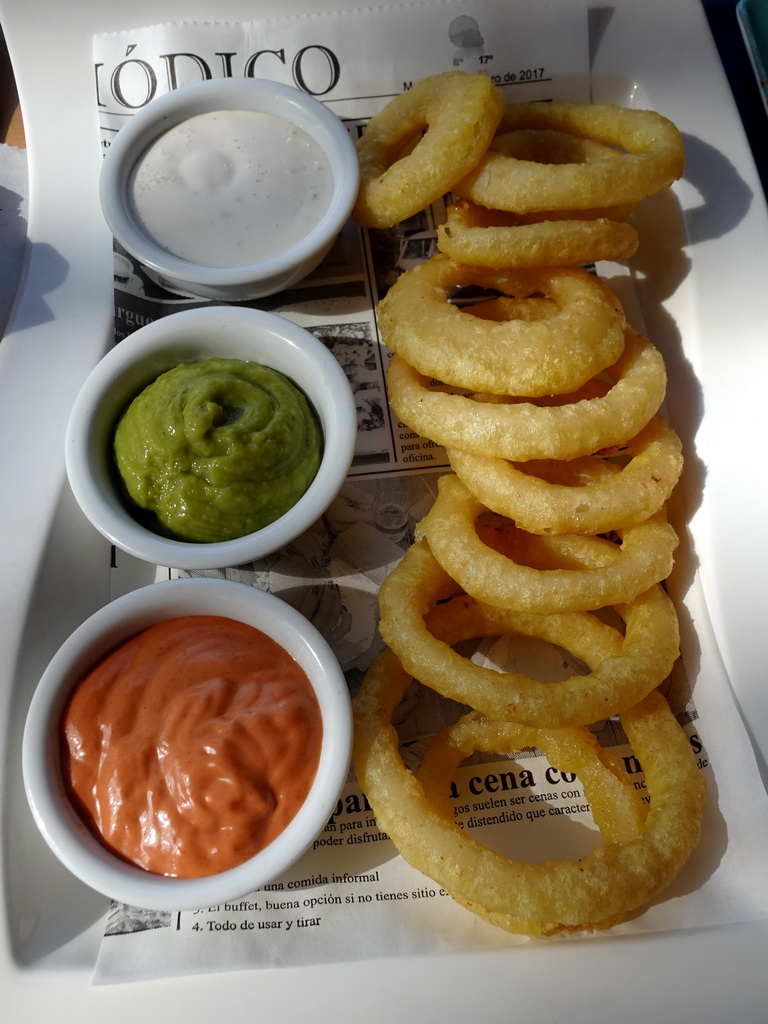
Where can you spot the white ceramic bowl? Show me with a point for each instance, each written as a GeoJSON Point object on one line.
{"type": "Point", "coordinates": [63, 830]}
{"type": "Point", "coordinates": [187, 336]}
{"type": "Point", "coordinates": [244, 281]}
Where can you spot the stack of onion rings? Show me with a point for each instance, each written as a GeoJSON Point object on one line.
{"type": "Point", "coordinates": [565, 187]}
{"type": "Point", "coordinates": [578, 424]}
{"type": "Point", "coordinates": [600, 572]}
{"type": "Point", "coordinates": [623, 667]}
{"type": "Point", "coordinates": [552, 525]}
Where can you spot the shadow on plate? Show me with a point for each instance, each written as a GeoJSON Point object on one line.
{"type": "Point", "coordinates": [45, 270]}
{"type": "Point", "coordinates": [47, 907]}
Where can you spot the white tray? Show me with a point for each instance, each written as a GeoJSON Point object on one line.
{"type": "Point", "coordinates": [703, 304]}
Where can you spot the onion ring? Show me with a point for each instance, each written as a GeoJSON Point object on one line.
{"type": "Point", "coordinates": [546, 146]}
{"type": "Point", "coordinates": [479, 237]}
{"type": "Point", "coordinates": [460, 113]}
{"type": "Point", "coordinates": [609, 882]}
{"type": "Point", "coordinates": [524, 431]}
{"type": "Point", "coordinates": [588, 495]}
{"type": "Point", "coordinates": [654, 158]}
{"type": "Point", "coordinates": [617, 808]}
{"type": "Point", "coordinates": [609, 574]}
{"type": "Point", "coordinates": [583, 335]}
{"type": "Point", "coordinates": [622, 669]}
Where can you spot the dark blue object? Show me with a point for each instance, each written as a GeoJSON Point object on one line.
{"type": "Point", "coordinates": [736, 61]}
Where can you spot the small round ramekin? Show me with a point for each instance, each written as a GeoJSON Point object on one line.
{"type": "Point", "coordinates": [72, 842]}
{"type": "Point", "coordinates": [249, 280]}
{"type": "Point", "coordinates": [189, 336]}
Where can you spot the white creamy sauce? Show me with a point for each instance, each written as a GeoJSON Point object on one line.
{"type": "Point", "coordinates": [231, 187]}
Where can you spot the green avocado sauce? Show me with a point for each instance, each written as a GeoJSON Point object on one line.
{"type": "Point", "coordinates": [216, 449]}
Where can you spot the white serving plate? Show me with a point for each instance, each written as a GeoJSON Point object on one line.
{"type": "Point", "coordinates": [709, 308]}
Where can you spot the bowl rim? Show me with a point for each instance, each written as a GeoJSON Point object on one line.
{"type": "Point", "coordinates": [180, 332]}
{"type": "Point", "coordinates": [236, 93]}
{"type": "Point", "coordinates": [64, 832]}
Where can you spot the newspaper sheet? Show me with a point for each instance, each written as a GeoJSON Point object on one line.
{"type": "Point", "coordinates": [352, 896]}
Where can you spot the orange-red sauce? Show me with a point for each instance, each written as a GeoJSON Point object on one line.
{"type": "Point", "coordinates": [191, 746]}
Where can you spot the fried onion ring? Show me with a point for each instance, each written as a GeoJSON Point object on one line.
{"type": "Point", "coordinates": [583, 334]}
{"type": "Point", "coordinates": [611, 881]}
{"type": "Point", "coordinates": [605, 574]}
{"type": "Point", "coordinates": [623, 669]}
{"type": "Point", "coordinates": [588, 495]}
{"type": "Point", "coordinates": [546, 146]}
{"type": "Point", "coordinates": [654, 157]}
{"type": "Point", "coordinates": [521, 431]}
{"type": "Point", "coordinates": [458, 114]}
{"type": "Point", "coordinates": [479, 237]}
{"type": "Point", "coordinates": [617, 808]}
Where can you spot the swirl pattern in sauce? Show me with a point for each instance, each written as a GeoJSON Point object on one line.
{"type": "Point", "coordinates": [192, 745]}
